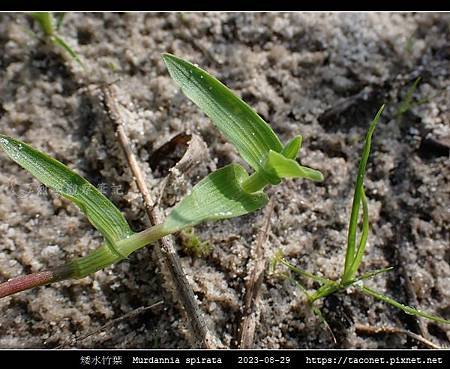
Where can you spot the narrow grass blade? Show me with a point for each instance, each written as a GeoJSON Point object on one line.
{"type": "Point", "coordinates": [61, 43]}
{"type": "Point", "coordinates": [218, 196]}
{"type": "Point", "coordinates": [407, 309]}
{"type": "Point", "coordinates": [304, 273]}
{"type": "Point", "coordinates": [373, 273]}
{"type": "Point", "coordinates": [59, 20]}
{"type": "Point", "coordinates": [240, 124]}
{"type": "Point", "coordinates": [99, 210]}
{"type": "Point", "coordinates": [45, 21]}
{"type": "Point", "coordinates": [406, 103]}
{"type": "Point", "coordinates": [351, 241]}
{"type": "Point", "coordinates": [364, 234]}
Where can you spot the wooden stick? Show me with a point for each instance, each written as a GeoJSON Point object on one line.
{"type": "Point", "coordinates": [250, 311]}
{"type": "Point", "coordinates": [167, 256]}
{"type": "Point", "coordinates": [113, 322]}
{"type": "Point", "coordinates": [367, 329]}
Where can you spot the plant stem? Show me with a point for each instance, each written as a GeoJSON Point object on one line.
{"type": "Point", "coordinates": [138, 240]}
{"type": "Point", "coordinates": [108, 254]}
{"type": "Point", "coordinates": [98, 259]}
{"type": "Point", "coordinates": [324, 291]}
{"type": "Point", "coordinates": [25, 282]}
{"type": "Point", "coordinates": [407, 309]}
{"type": "Point", "coordinates": [254, 183]}
{"type": "Point", "coordinates": [363, 240]}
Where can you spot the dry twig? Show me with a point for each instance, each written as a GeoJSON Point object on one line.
{"type": "Point", "coordinates": [167, 256]}
{"type": "Point", "coordinates": [113, 322]}
{"type": "Point", "coordinates": [368, 329]}
{"type": "Point", "coordinates": [246, 330]}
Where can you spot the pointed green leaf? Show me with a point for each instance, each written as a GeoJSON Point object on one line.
{"type": "Point", "coordinates": [58, 41]}
{"type": "Point", "coordinates": [407, 309]}
{"type": "Point", "coordinates": [351, 239]}
{"type": "Point", "coordinates": [99, 210]}
{"type": "Point", "coordinates": [293, 147]}
{"type": "Point", "coordinates": [239, 123]}
{"type": "Point", "coordinates": [45, 21]}
{"type": "Point", "coordinates": [217, 196]}
{"type": "Point", "coordinates": [278, 166]}
{"type": "Point", "coordinates": [59, 20]}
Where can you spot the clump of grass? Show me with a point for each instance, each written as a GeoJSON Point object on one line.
{"type": "Point", "coordinates": [354, 252]}
{"type": "Point", "coordinates": [50, 25]}
{"type": "Point", "coordinates": [225, 193]}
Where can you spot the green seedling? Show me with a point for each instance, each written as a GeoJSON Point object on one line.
{"type": "Point", "coordinates": [225, 193]}
{"type": "Point", "coordinates": [407, 102]}
{"type": "Point", "coordinates": [193, 245]}
{"type": "Point", "coordinates": [49, 26]}
{"type": "Point", "coordinates": [355, 250]}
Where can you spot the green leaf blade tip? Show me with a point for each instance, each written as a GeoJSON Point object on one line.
{"type": "Point", "coordinates": [100, 211]}
{"type": "Point", "coordinates": [292, 148]}
{"type": "Point", "coordinates": [279, 166]}
{"type": "Point", "coordinates": [238, 122]}
{"type": "Point", "coordinates": [358, 193]}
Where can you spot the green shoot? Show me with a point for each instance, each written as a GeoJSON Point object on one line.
{"type": "Point", "coordinates": [192, 244]}
{"type": "Point", "coordinates": [50, 27]}
{"type": "Point", "coordinates": [407, 102]}
{"type": "Point", "coordinates": [407, 309]}
{"type": "Point", "coordinates": [228, 192]}
{"type": "Point", "coordinates": [253, 138]}
{"type": "Point", "coordinates": [354, 255]}
{"type": "Point", "coordinates": [351, 259]}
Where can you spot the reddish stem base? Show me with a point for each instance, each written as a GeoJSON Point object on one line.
{"type": "Point", "coordinates": [25, 282]}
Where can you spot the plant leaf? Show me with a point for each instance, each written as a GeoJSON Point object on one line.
{"type": "Point", "coordinates": [58, 41]}
{"type": "Point", "coordinates": [277, 166]}
{"type": "Point", "coordinates": [407, 309]}
{"type": "Point", "coordinates": [45, 21]}
{"type": "Point", "coordinates": [59, 20]}
{"type": "Point", "coordinates": [217, 196]}
{"type": "Point", "coordinates": [364, 235]}
{"type": "Point", "coordinates": [292, 147]}
{"type": "Point", "coordinates": [100, 211]}
{"type": "Point", "coordinates": [239, 123]}
{"type": "Point", "coordinates": [351, 239]}
{"type": "Point", "coordinates": [407, 102]}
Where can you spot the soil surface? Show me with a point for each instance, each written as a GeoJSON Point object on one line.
{"type": "Point", "coordinates": [320, 75]}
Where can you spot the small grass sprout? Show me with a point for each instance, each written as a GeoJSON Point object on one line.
{"type": "Point", "coordinates": [193, 245]}
{"type": "Point", "coordinates": [354, 252]}
{"type": "Point", "coordinates": [225, 193]}
{"type": "Point", "coordinates": [407, 103]}
{"type": "Point", "coordinates": [49, 25]}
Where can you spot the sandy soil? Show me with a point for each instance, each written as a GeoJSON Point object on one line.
{"type": "Point", "coordinates": [320, 75]}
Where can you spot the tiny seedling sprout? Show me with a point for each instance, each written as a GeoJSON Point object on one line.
{"type": "Point", "coordinates": [354, 252]}
{"type": "Point", "coordinates": [49, 25]}
{"type": "Point", "coordinates": [225, 193]}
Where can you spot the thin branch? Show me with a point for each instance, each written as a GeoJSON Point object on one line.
{"type": "Point", "coordinates": [113, 322]}
{"type": "Point", "coordinates": [167, 256]}
{"type": "Point", "coordinates": [246, 330]}
{"type": "Point", "coordinates": [368, 329]}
